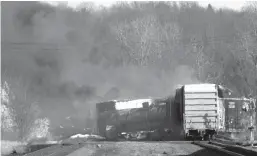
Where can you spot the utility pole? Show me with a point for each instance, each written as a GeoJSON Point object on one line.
{"type": "Point", "coordinates": [251, 128]}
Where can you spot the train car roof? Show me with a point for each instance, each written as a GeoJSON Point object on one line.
{"type": "Point", "coordinates": [203, 85]}
{"type": "Point", "coordinates": [199, 84]}
{"type": "Point", "coordinates": [207, 87]}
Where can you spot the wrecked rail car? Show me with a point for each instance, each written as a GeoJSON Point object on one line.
{"type": "Point", "coordinates": [134, 115]}
{"type": "Point", "coordinates": [194, 111]}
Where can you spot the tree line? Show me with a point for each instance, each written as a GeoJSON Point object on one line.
{"type": "Point", "coordinates": [140, 48]}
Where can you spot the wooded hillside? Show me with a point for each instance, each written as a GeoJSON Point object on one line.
{"type": "Point", "coordinates": [69, 57]}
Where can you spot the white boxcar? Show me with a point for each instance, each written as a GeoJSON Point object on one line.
{"type": "Point", "coordinates": [204, 113]}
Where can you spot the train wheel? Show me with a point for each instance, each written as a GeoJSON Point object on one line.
{"type": "Point", "coordinates": [206, 137]}
{"type": "Point", "coordinates": [186, 137]}
{"type": "Point", "coordinates": [209, 137]}
{"type": "Point", "coordinates": [193, 138]}
{"type": "Point", "coordinates": [212, 137]}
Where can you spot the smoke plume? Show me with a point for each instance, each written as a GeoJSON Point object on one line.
{"type": "Point", "coordinates": [64, 70]}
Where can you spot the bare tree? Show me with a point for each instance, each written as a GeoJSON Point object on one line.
{"type": "Point", "coordinates": [146, 39]}
{"type": "Point", "coordinates": [136, 36]}
{"type": "Point", "coordinates": [202, 61]}
{"type": "Point", "coordinates": [7, 122]}
{"type": "Point", "coordinates": [23, 110]}
{"type": "Point", "coordinates": [248, 49]}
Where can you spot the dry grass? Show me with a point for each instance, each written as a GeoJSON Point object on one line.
{"type": "Point", "coordinates": [8, 147]}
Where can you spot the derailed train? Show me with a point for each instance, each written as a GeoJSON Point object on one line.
{"type": "Point", "coordinates": [195, 111]}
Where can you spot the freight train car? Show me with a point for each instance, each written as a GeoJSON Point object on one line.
{"type": "Point", "coordinates": [238, 114]}
{"type": "Point", "coordinates": [132, 115]}
{"type": "Point", "coordinates": [194, 111]}
{"type": "Point", "coordinates": [203, 111]}
{"type": "Point", "coordinates": [206, 109]}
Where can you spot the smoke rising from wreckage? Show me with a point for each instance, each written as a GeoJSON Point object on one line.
{"type": "Point", "coordinates": [68, 87]}
{"type": "Point", "coordinates": [71, 59]}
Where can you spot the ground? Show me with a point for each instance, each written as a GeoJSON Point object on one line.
{"type": "Point", "coordinates": [91, 145]}
{"type": "Point", "coordinates": [126, 148]}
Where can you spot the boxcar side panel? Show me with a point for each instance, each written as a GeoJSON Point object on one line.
{"type": "Point", "coordinates": [201, 107]}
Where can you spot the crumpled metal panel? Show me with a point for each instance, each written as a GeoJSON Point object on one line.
{"type": "Point", "coordinates": [135, 118]}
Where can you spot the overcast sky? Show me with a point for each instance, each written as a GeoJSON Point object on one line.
{"type": "Point", "coordinates": [236, 4]}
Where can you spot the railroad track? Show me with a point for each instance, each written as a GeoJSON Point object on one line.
{"type": "Point", "coordinates": [143, 148]}
{"type": "Point", "coordinates": [231, 150]}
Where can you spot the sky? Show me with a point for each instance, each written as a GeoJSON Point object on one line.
{"type": "Point", "coordinates": [236, 4]}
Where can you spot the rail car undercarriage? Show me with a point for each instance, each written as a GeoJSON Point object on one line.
{"type": "Point", "coordinates": [205, 135]}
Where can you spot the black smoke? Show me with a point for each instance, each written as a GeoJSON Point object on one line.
{"type": "Point", "coordinates": [66, 72]}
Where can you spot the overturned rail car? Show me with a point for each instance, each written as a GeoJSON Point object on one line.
{"type": "Point", "coordinates": [138, 115]}
{"type": "Point", "coordinates": [194, 111]}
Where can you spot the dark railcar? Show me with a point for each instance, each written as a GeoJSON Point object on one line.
{"type": "Point", "coordinates": [103, 111]}
{"type": "Point", "coordinates": [161, 115]}
{"type": "Point", "coordinates": [237, 119]}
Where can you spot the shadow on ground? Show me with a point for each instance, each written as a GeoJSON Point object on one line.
{"type": "Point", "coordinates": [32, 148]}
{"type": "Point", "coordinates": [206, 152]}
{"type": "Point", "coordinates": [210, 152]}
